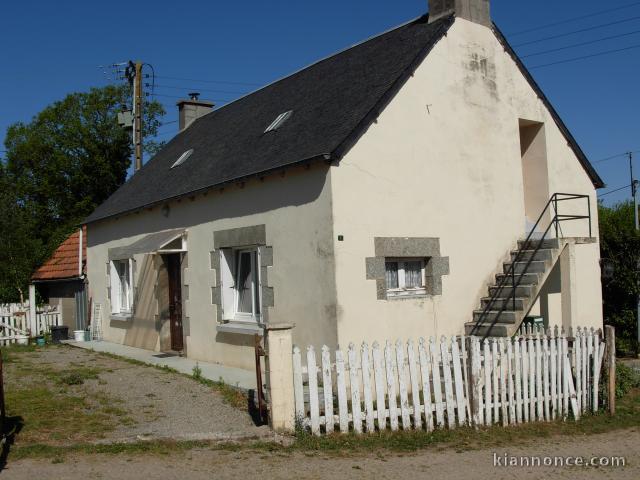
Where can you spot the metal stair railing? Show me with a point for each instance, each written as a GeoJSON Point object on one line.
{"type": "Point", "coordinates": [525, 246]}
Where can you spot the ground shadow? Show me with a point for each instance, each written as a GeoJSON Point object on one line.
{"type": "Point", "coordinates": [11, 426]}
{"type": "Point", "coordinates": [259, 418]}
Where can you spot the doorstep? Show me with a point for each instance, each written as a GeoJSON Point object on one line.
{"type": "Point", "coordinates": [237, 377]}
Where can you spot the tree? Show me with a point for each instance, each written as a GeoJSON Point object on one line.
{"type": "Point", "coordinates": [59, 167]}
{"type": "Point", "coordinates": [620, 245]}
{"type": "Point", "coordinates": [18, 247]}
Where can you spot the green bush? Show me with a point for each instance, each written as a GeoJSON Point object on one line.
{"type": "Point", "coordinates": [626, 379]}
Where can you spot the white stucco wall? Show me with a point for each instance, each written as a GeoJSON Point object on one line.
{"type": "Point", "coordinates": [296, 210]}
{"type": "Point", "coordinates": [443, 160]}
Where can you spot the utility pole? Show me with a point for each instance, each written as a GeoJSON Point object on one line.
{"type": "Point", "coordinates": [634, 193]}
{"type": "Point", "coordinates": [134, 75]}
{"type": "Point", "coordinates": [137, 116]}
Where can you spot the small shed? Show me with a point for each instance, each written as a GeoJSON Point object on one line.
{"type": "Point", "coordinates": [61, 280]}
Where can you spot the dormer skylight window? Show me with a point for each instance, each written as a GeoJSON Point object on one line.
{"type": "Point", "coordinates": [279, 121]}
{"type": "Point", "coordinates": [183, 158]}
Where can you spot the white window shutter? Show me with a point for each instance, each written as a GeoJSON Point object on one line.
{"type": "Point", "coordinates": [227, 290]}
{"type": "Point", "coordinates": [115, 288]}
{"type": "Point", "coordinates": [131, 284]}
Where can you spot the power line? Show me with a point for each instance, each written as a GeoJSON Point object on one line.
{"type": "Point", "coordinates": [588, 29]}
{"type": "Point", "coordinates": [183, 98]}
{"type": "Point", "coordinates": [199, 89]}
{"type": "Point", "coordinates": [209, 81]}
{"type": "Point", "coordinates": [575, 45]}
{"type": "Point", "coordinates": [164, 134]}
{"type": "Point", "coordinates": [613, 191]}
{"type": "Point", "coordinates": [574, 19]}
{"type": "Point", "coordinates": [624, 154]}
{"type": "Point", "coordinates": [575, 59]}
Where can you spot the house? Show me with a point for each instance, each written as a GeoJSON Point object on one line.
{"type": "Point", "coordinates": [380, 193]}
{"type": "Point", "coordinates": [61, 280]}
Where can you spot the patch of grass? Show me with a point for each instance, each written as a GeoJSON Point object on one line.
{"type": "Point", "coordinates": [627, 416]}
{"type": "Point", "coordinates": [75, 376]}
{"type": "Point", "coordinates": [53, 405]}
{"type": "Point", "coordinates": [51, 415]}
{"type": "Point", "coordinates": [10, 353]}
{"type": "Point", "coordinates": [197, 372]}
{"type": "Point", "coordinates": [231, 395]}
{"type": "Point", "coordinates": [58, 454]}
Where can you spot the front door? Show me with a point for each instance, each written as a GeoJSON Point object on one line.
{"type": "Point", "coordinates": [175, 301]}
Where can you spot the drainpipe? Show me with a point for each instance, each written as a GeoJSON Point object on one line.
{"type": "Point", "coordinates": [80, 255]}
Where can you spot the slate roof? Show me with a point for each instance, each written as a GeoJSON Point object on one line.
{"type": "Point", "coordinates": [63, 264]}
{"type": "Point", "coordinates": [333, 102]}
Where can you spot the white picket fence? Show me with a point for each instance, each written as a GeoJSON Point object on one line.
{"type": "Point", "coordinates": [15, 323]}
{"type": "Point", "coordinates": [448, 382]}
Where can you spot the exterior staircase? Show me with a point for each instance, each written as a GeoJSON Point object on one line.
{"type": "Point", "coordinates": [502, 312]}
{"type": "Point", "coordinates": [517, 287]}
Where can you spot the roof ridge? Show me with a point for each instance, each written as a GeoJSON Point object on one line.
{"type": "Point", "coordinates": [313, 64]}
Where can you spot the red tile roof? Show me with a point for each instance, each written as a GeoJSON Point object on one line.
{"type": "Point", "coordinates": [63, 264]}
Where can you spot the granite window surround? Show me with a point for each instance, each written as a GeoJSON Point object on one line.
{"type": "Point", "coordinates": [407, 247]}
{"type": "Point", "coordinates": [253, 236]}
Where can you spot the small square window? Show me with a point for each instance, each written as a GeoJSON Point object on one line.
{"type": "Point", "coordinates": [405, 277]}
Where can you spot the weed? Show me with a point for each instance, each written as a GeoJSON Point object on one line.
{"type": "Point", "coordinates": [197, 372]}
{"type": "Point", "coordinates": [76, 376]}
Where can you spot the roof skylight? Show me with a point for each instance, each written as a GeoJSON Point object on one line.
{"type": "Point", "coordinates": [183, 158]}
{"type": "Point", "coordinates": [277, 123]}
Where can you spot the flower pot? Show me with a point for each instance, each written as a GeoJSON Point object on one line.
{"type": "Point", "coordinates": [40, 341]}
{"type": "Point", "coordinates": [22, 340]}
{"type": "Point", "coordinates": [87, 336]}
{"type": "Point", "coordinates": [78, 335]}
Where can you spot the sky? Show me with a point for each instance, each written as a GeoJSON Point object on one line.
{"type": "Point", "coordinates": [226, 49]}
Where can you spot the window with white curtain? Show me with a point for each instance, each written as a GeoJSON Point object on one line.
{"type": "Point", "coordinates": [240, 279]}
{"type": "Point", "coordinates": [405, 276]}
{"type": "Point", "coordinates": [121, 278]}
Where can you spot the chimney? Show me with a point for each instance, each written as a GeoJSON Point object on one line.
{"type": "Point", "coordinates": [476, 11]}
{"type": "Point", "coordinates": [192, 109]}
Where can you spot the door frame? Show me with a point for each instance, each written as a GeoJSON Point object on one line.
{"type": "Point", "coordinates": [174, 269]}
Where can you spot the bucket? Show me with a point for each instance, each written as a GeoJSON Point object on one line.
{"type": "Point", "coordinates": [40, 341]}
{"type": "Point", "coordinates": [59, 333]}
{"type": "Point", "coordinates": [78, 335]}
{"type": "Point", "coordinates": [22, 340]}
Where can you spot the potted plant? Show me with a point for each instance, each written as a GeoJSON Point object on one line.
{"type": "Point", "coordinates": [40, 340]}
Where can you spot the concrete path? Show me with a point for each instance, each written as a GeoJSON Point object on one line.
{"type": "Point", "coordinates": [233, 376]}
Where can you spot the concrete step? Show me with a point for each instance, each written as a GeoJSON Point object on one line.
{"type": "Point", "coordinates": [534, 266]}
{"type": "Point", "coordinates": [498, 303]}
{"type": "Point", "coordinates": [526, 255]}
{"type": "Point", "coordinates": [497, 330]}
{"type": "Point", "coordinates": [551, 243]}
{"type": "Point", "coordinates": [523, 279]}
{"type": "Point", "coordinates": [522, 291]}
{"type": "Point", "coordinates": [489, 317]}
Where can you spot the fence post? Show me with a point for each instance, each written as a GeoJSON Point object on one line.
{"type": "Point", "coordinates": [279, 376]}
{"type": "Point", "coordinates": [33, 322]}
{"type": "Point", "coordinates": [610, 339]}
